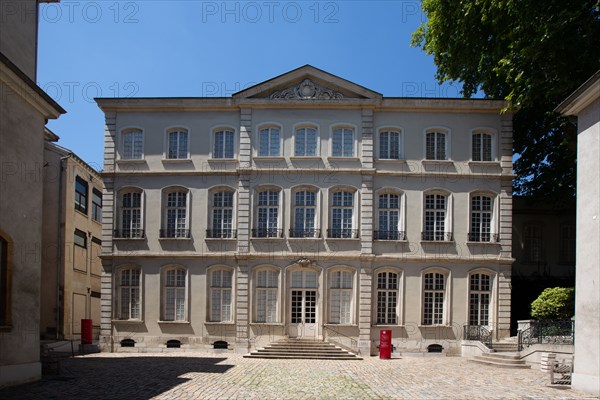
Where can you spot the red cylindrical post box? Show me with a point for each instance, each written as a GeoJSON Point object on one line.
{"type": "Point", "coordinates": [86, 331]}
{"type": "Point", "coordinates": [385, 344]}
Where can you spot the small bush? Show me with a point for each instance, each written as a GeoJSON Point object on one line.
{"type": "Point", "coordinates": [554, 303]}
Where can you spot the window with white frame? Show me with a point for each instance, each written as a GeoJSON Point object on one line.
{"type": "Point", "coordinates": [480, 295]}
{"type": "Point", "coordinates": [305, 214]}
{"type": "Point", "coordinates": [130, 224]}
{"type": "Point", "coordinates": [481, 146]}
{"type": "Point", "coordinates": [269, 142]}
{"type": "Point", "coordinates": [220, 295]}
{"type": "Point", "coordinates": [267, 214]}
{"type": "Point", "coordinates": [133, 144]}
{"type": "Point", "coordinates": [340, 297]}
{"type": "Point", "coordinates": [96, 205]}
{"type": "Point", "coordinates": [434, 298]}
{"type": "Point", "coordinates": [129, 294]}
{"type": "Point", "coordinates": [482, 219]}
{"type": "Point", "coordinates": [175, 214]}
{"type": "Point", "coordinates": [222, 215]}
{"type": "Point", "coordinates": [436, 145]}
{"type": "Point", "coordinates": [388, 284]}
{"type": "Point", "coordinates": [267, 284]}
{"type": "Point", "coordinates": [177, 144]}
{"type": "Point", "coordinates": [174, 283]}
{"type": "Point", "coordinates": [305, 142]}
{"type": "Point", "coordinates": [342, 215]}
{"type": "Point", "coordinates": [437, 211]}
{"type": "Point", "coordinates": [223, 146]}
{"type": "Point", "coordinates": [342, 142]}
{"type": "Point", "coordinates": [390, 217]}
{"type": "Point", "coordinates": [390, 144]}
{"type": "Point", "coordinates": [533, 243]}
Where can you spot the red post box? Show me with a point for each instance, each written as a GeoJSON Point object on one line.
{"type": "Point", "coordinates": [385, 344]}
{"type": "Point", "coordinates": [86, 331]}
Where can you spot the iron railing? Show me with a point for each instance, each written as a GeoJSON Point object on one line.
{"type": "Point", "coordinates": [267, 233]}
{"type": "Point", "coordinates": [305, 233]}
{"type": "Point", "coordinates": [547, 332]}
{"type": "Point", "coordinates": [389, 235]}
{"type": "Point", "coordinates": [176, 233]}
{"type": "Point", "coordinates": [342, 233]}
{"type": "Point", "coordinates": [129, 234]}
{"type": "Point", "coordinates": [436, 236]}
{"type": "Point", "coordinates": [484, 237]}
{"type": "Point", "coordinates": [478, 332]}
{"type": "Point", "coordinates": [221, 233]}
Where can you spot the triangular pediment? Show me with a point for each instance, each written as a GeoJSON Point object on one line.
{"type": "Point", "coordinates": [307, 83]}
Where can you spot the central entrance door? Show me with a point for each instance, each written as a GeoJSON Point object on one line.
{"type": "Point", "coordinates": [303, 305]}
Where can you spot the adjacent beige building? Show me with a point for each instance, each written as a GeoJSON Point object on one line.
{"type": "Point", "coordinates": [72, 232]}
{"type": "Point", "coordinates": [24, 110]}
{"type": "Point", "coordinates": [306, 206]}
{"type": "Point", "coordinates": [585, 104]}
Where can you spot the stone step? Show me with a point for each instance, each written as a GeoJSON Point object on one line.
{"type": "Point", "coordinates": [301, 357]}
{"type": "Point", "coordinates": [292, 350]}
{"type": "Point", "coordinates": [490, 357]}
{"type": "Point", "coordinates": [501, 364]}
{"type": "Point", "coordinates": [302, 349]}
{"type": "Point", "coordinates": [504, 355]}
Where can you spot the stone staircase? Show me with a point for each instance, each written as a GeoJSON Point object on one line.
{"type": "Point", "coordinates": [501, 360]}
{"type": "Point", "coordinates": [303, 349]}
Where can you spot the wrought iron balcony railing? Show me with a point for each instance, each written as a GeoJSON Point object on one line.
{"type": "Point", "coordinates": [221, 233]}
{"type": "Point", "coordinates": [267, 233]}
{"type": "Point", "coordinates": [436, 236]}
{"type": "Point", "coordinates": [484, 237]}
{"type": "Point", "coordinates": [129, 233]}
{"type": "Point", "coordinates": [389, 235]}
{"type": "Point", "coordinates": [177, 233]}
{"type": "Point", "coordinates": [343, 233]}
{"type": "Point", "coordinates": [305, 233]}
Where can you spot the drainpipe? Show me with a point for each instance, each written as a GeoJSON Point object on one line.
{"type": "Point", "coordinates": [59, 241]}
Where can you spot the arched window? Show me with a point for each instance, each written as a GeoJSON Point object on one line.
{"type": "Point", "coordinates": [132, 144]}
{"type": "Point", "coordinates": [388, 297]}
{"type": "Point", "coordinates": [220, 294]}
{"type": "Point", "coordinates": [269, 141]}
{"type": "Point", "coordinates": [390, 144]}
{"type": "Point", "coordinates": [223, 143]}
{"type": "Point", "coordinates": [483, 218]}
{"type": "Point", "coordinates": [482, 146]}
{"type": "Point", "coordinates": [128, 293]}
{"type": "Point", "coordinates": [177, 144]}
{"type": "Point", "coordinates": [342, 143]}
{"type": "Point", "coordinates": [268, 213]}
{"type": "Point", "coordinates": [130, 221]}
{"type": "Point", "coordinates": [267, 295]}
{"type": "Point", "coordinates": [437, 216]}
{"type": "Point", "coordinates": [435, 297]}
{"type": "Point", "coordinates": [341, 297]}
{"type": "Point", "coordinates": [480, 298]}
{"type": "Point", "coordinates": [390, 216]}
{"type": "Point", "coordinates": [174, 294]}
{"type": "Point", "coordinates": [342, 220]}
{"type": "Point", "coordinates": [175, 213]}
{"type": "Point", "coordinates": [306, 141]}
{"type": "Point", "coordinates": [221, 214]}
{"type": "Point", "coordinates": [305, 213]}
{"type": "Point", "coordinates": [436, 144]}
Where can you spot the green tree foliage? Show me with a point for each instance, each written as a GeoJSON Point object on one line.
{"type": "Point", "coordinates": [533, 54]}
{"type": "Point", "coordinates": [554, 303]}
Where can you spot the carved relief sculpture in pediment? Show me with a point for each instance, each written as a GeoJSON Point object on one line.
{"type": "Point", "coordinates": [307, 90]}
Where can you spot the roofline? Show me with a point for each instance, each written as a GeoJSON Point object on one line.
{"type": "Point", "coordinates": [581, 97]}
{"type": "Point", "coordinates": [69, 153]}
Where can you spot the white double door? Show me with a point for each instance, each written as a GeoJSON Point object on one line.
{"type": "Point", "coordinates": [303, 305]}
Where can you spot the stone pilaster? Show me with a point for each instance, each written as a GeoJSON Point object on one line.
{"type": "Point", "coordinates": [242, 308]}
{"type": "Point", "coordinates": [364, 307]}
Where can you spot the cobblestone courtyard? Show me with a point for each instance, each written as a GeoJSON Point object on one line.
{"type": "Point", "coordinates": [226, 376]}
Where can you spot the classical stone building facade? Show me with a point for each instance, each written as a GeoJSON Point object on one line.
{"type": "Point", "coordinates": [306, 206]}
{"type": "Point", "coordinates": [24, 111]}
{"type": "Point", "coordinates": [71, 239]}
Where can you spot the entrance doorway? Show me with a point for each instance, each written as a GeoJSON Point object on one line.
{"type": "Point", "coordinates": [303, 305]}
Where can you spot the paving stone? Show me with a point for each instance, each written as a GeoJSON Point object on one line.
{"type": "Point", "coordinates": [190, 375]}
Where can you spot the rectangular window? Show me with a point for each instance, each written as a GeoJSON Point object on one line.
{"type": "Point", "coordinates": [269, 142]}
{"type": "Point", "coordinates": [129, 294]}
{"type": "Point", "coordinates": [479, 299]}
{"type": "Point", "coordinates": [343, 143]}
{"type": "Point", "coordinates": [268, 214]}
{"type": "Point", "coordinates": [481, 219]}
{"type": "Point", "coordinates": [387, 298]}
{"type": "Point", "coordinates": [97, 205]}
{"type": "Point", "coordinates": [340, 309]}
{"type": "Point", "coordinates": [389, 145]}
{"type": "Point", "coordinates": [435, 217]}
{"type": "Point", "coordinates": [81, 194]}
{"type": "Point", "coordinates": [80, 238]}
{"type": "Point", "coordinates": [266, 296]}
{"type": "Point", "coordinates": [177, 215]}
{"type": "Point", "coordinates": [435, 145]}
{"type": "Point", "coordinates": [131, 215]}
{"type": "Point", "coordinates": [482, 147]}
{"type": "Point", "coordinates": [305, 144]}
{"type": "Point", "coordinates": [178, 145]}
{"type": "Point", "coordinates": [174, 292]}
{"type": "Point", "coordinates": [433, 299]}
{"type": "Point", "coordinates": [133, 145]}
{"type": "Point", "coordinates": [342, 215]}
{"type": "Point", "coordinates": [389, 218]}
{"type": "Point", "coordinates": [220, 296]}
{"type": "Point", "coordinates": [305, 211]}
{"type": "Point", "coordinates": [222, 217]}
{"type": "Point", "coordinates": [223, 146]}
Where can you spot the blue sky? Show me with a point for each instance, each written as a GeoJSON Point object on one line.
{"type": "Point", "coordinates": [191, 48]}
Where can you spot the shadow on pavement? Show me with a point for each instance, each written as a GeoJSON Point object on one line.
{"type": "Point", "coordinates": [137, 377]}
